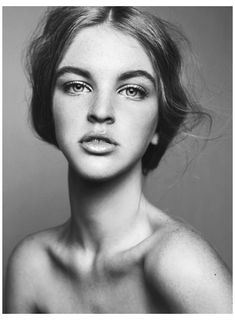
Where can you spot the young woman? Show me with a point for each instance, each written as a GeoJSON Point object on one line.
{"type": "Point", "coordinates": [107, 92]}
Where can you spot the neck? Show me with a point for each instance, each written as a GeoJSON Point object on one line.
{"type": "Point", "coordinates": [104, 215]}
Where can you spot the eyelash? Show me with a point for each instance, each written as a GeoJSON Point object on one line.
{"type": "Point", "coordinates": [138, 90]}
{"type": "Point", "coordinates": [70, 87]}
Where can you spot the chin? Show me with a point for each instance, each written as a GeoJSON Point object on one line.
{"type": "Point", "coordinates": [94, 171]}
{"type": "Point", "coordinates": [102, 168]}
{"type": "Point", "coordinates": [100, 171]}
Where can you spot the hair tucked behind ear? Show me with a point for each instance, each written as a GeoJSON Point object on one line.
{"type": "Point", "coordinates": [177, 110]}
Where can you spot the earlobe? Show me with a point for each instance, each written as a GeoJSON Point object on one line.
{"type": "Point", "coordinates": [154, 140]}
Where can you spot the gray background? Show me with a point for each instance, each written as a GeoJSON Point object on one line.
{"type": "Point", "coordinates": [35, 193]}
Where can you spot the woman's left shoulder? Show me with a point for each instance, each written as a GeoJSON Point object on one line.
{"type": "Point", "coordinates": [188, 270]}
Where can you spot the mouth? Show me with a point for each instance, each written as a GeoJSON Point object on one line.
{"type": "Point", "coordinates": [98, 144]}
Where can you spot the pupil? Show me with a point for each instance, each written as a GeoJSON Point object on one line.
{"type": "Point", "coordinates": [131, 91]}
{"type": "Point", "coordinates": [77, 87]}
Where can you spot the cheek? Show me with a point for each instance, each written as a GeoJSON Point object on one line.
{"type": "Point", "coordinates": [143, 123]}
{"type": "Point", "coordinates": [66, 121]}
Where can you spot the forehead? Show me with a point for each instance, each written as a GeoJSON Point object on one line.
{"type": "Point", "coordinates": [103, 48]}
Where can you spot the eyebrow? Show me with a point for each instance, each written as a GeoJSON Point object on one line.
{"type": "Point", "coordinates": [124, 76]}
{"type": "Point", "coordinates": [137, 73]}
{"type": "Point", "coordinates": [75, 70]}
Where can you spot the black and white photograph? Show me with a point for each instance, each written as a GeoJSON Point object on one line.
{"type": "Point", "coordinates": [117, 159]}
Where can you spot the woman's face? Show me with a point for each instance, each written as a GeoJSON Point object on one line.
{"type": "Point", "coordinates": [105, 103]}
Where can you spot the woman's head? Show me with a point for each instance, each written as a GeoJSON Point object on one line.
{"type": "Point", "coordinates": [105, 109]}
{"type": "Point", "coordinates": [60, 29]}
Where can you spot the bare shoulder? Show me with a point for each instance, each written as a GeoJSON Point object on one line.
{"type": "Point", "coordinates": [34, 247]}
{"type": "Point", "coordinates": [27, 268]}
{"type": "Point", "coordinates": [187, 270]}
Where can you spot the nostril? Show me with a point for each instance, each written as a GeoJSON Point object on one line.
{"type": "Point", "coordinates": [91, 118]}
{"type": "Point", "coordinates": [110, 120]}
{"type": "Point", "coordinates": [94, 118]}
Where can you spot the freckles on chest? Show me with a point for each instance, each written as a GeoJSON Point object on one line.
{"type": "Point", "coordinates": [119, 293]}
{"type": "Point", "coordinates": [124, 294]}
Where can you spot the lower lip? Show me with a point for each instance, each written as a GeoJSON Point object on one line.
{"type": "Point", "coordinates": [100, 147]}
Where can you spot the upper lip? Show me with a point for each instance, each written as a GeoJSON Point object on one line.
{"type": "Point", "coordinates": [97, 135]}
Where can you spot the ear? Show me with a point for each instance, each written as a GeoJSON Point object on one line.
{"type": "Point", "coordinates": [154, 140]}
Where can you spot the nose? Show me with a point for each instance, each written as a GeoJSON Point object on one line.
{"type": "Point", "coordinates": [101, 111]}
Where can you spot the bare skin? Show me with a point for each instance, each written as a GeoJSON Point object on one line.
{"type": "Point", "coordinates": [49, 274]}
{"type": "Point", "coordinates": [66, 282]}
{"type": "Point", "coordinates": [117, 253]}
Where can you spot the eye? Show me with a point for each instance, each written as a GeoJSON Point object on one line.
{"type": "Point", "coordinates": [133, 91]}
{"type": "Point", "coordinates": [76, 87]}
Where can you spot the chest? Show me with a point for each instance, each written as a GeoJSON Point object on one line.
{"type": "Point", "coordinates": [117, 293]}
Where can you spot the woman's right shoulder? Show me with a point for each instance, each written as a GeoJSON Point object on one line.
{"type": "Point", "coordinates": [31, 253]}
{"type": "Point", "coordinates": [27, 271]}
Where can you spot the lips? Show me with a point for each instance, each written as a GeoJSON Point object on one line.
{"type": "Point", "coordinates": [98, 137]}
{"type": "Point", "coordinates": [97, 143]}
